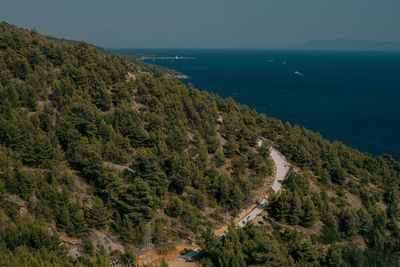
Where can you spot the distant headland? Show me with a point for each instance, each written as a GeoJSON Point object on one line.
{"type": "Point", "coordinates": [348, 44]}
{"type": "Point", "coordinates": [164, 58]}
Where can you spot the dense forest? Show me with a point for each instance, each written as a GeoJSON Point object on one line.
{"type": "Point", "coordinates": [101, 156]}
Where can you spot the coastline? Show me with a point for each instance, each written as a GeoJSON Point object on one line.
{"type": "Point", "coordinates": [272, 88]}
{"type": "Point", "coordinates": [179, 76]}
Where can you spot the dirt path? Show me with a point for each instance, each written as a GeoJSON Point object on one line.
{"type": "Point", "coordinates": [281, 169]}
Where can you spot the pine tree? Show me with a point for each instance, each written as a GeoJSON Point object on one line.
{"type": "Point", "coordinates": [296, 210]}
{"type": "Point", "coordinates": [337, 174]}
{"type": "Point", "coordinates": [212, 143]}
{"type": "Point", "coordinates": [63, 220]}
{"type": "Point", "coordinates": [236, 196]}
{"type": "Point", "coordinates": [310, 213]}
{"type": "Point", "coordinates": [78, 226]}
{"type": "Point", "coordinates": [306, 254]}
{"type": "Point", "coordinates": [365, 222]}
{"type": "Point", "coordinates": [264, 150]}
{"type": "Point", "coordinates": [135, 201]}
{"type": "Point", "coordinates": [219, 158]}
{"type": "Point", "coordinates": [280, 205]}
{"type": "Point", "coordinates": [88, 247]}
{"type": "Point", "coordinates": [98, 215]}
{"type": "Point", "coordinates": [230, 148]}
{"type": "Point", "coordinates": [39, 151]}
{"type": "Point", "coordinates": [334, 256]}
{"type": "Point", "coordinates": [348, 222]}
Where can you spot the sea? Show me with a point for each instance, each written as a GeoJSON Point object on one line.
{"type": "Point", "coordinates": [349, 96]}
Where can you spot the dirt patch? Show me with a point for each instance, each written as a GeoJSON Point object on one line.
{"type": "Point", "coordinates": [190, 136]}
{"type": "Point", "coordinates": [331, 194]}
{"type": "Point", "coordinates": [15, 200]}
{"type": "Point", "coordinates": [73, 253]}
{"type": "Point", "coordinates": [314, 187]}
{"type": "Point", "coordinates": [39, 107]}
{"type": "Point", "coordinates": [130, 76]}
{"type": "Point", "coordinates": [69, 240]}
{"type": "Point", "coordinates": [359, 242]}
{"type": "Point", "coordinates": [354, 200]}
{"type": "Point", "coordinates": [109, 243]}
{"type": "Point", "coordinates": [171, 257]}
{"type": "Point", "coordinates": [381, 205]}
{"type": "Point", "coordinates": [222, 140]}
{"type": "Point", "coordinates": [120, 167]}
{"type": "Point", "coordinates": [314, 230]}
{"type": "Point", "coordinates": [20, 203]}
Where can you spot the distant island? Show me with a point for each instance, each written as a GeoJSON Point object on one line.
{"type": "Point", "coordinates": [336, 44]}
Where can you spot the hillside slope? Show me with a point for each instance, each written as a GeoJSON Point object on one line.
{"type": "Point", "coordinates": [72, 119]}
{"type": "Point", "coordinates": [100, 161]}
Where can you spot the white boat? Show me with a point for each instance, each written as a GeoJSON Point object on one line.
{"type": "Point", "coordinates": [298, 73]}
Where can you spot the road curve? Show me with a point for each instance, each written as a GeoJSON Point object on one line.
{"type": "Point", "coordinates": [281, 169]}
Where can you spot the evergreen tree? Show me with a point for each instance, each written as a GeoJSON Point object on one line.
{"type": "Point", "coordinates": [135, 201]}
{"type": "Point", "coordinates": [78, 226]}
{"type": "Point", "coordinates": [264, 150]}
{"type": "Point", "coordinates": [98, 215]}
{"type": "Point", "coordinates": [39, 151]}
{"type": "Point", "coordinates": [63, 220]}
{"type": "Point", "coordinates": [365, 221]}
{"type": "Point", "coordinates": [310, 214]}
{"type": "Point", "coordinates": [348, 222]}
{"type": "Point", "coordinates": [337, 174]}
{"type": "Point", "coordinates": [334, 256]}
{"type": "Point", "coordinates": [219, 158]}
{"type": "Point", "coordinates": [230, 148]}
{"type": "Point", "coordinates": [296, 213]}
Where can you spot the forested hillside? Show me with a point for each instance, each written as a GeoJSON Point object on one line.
{"type": "Point", "coordinates": [72, 119]}
{"type": "Point", "coordinates": [99, 159]}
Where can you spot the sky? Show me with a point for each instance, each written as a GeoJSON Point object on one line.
{"type": "Point", "coordinates": [206, 23]}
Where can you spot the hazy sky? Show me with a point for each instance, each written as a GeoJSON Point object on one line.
{"type": "Point", "coordinates": [206, 23]}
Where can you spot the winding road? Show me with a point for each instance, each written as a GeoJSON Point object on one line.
{"type": "Point", "coordinates": [281, 169]}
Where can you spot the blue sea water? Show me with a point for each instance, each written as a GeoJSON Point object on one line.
{"type": "Point", "coordinates": [353, 97]}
